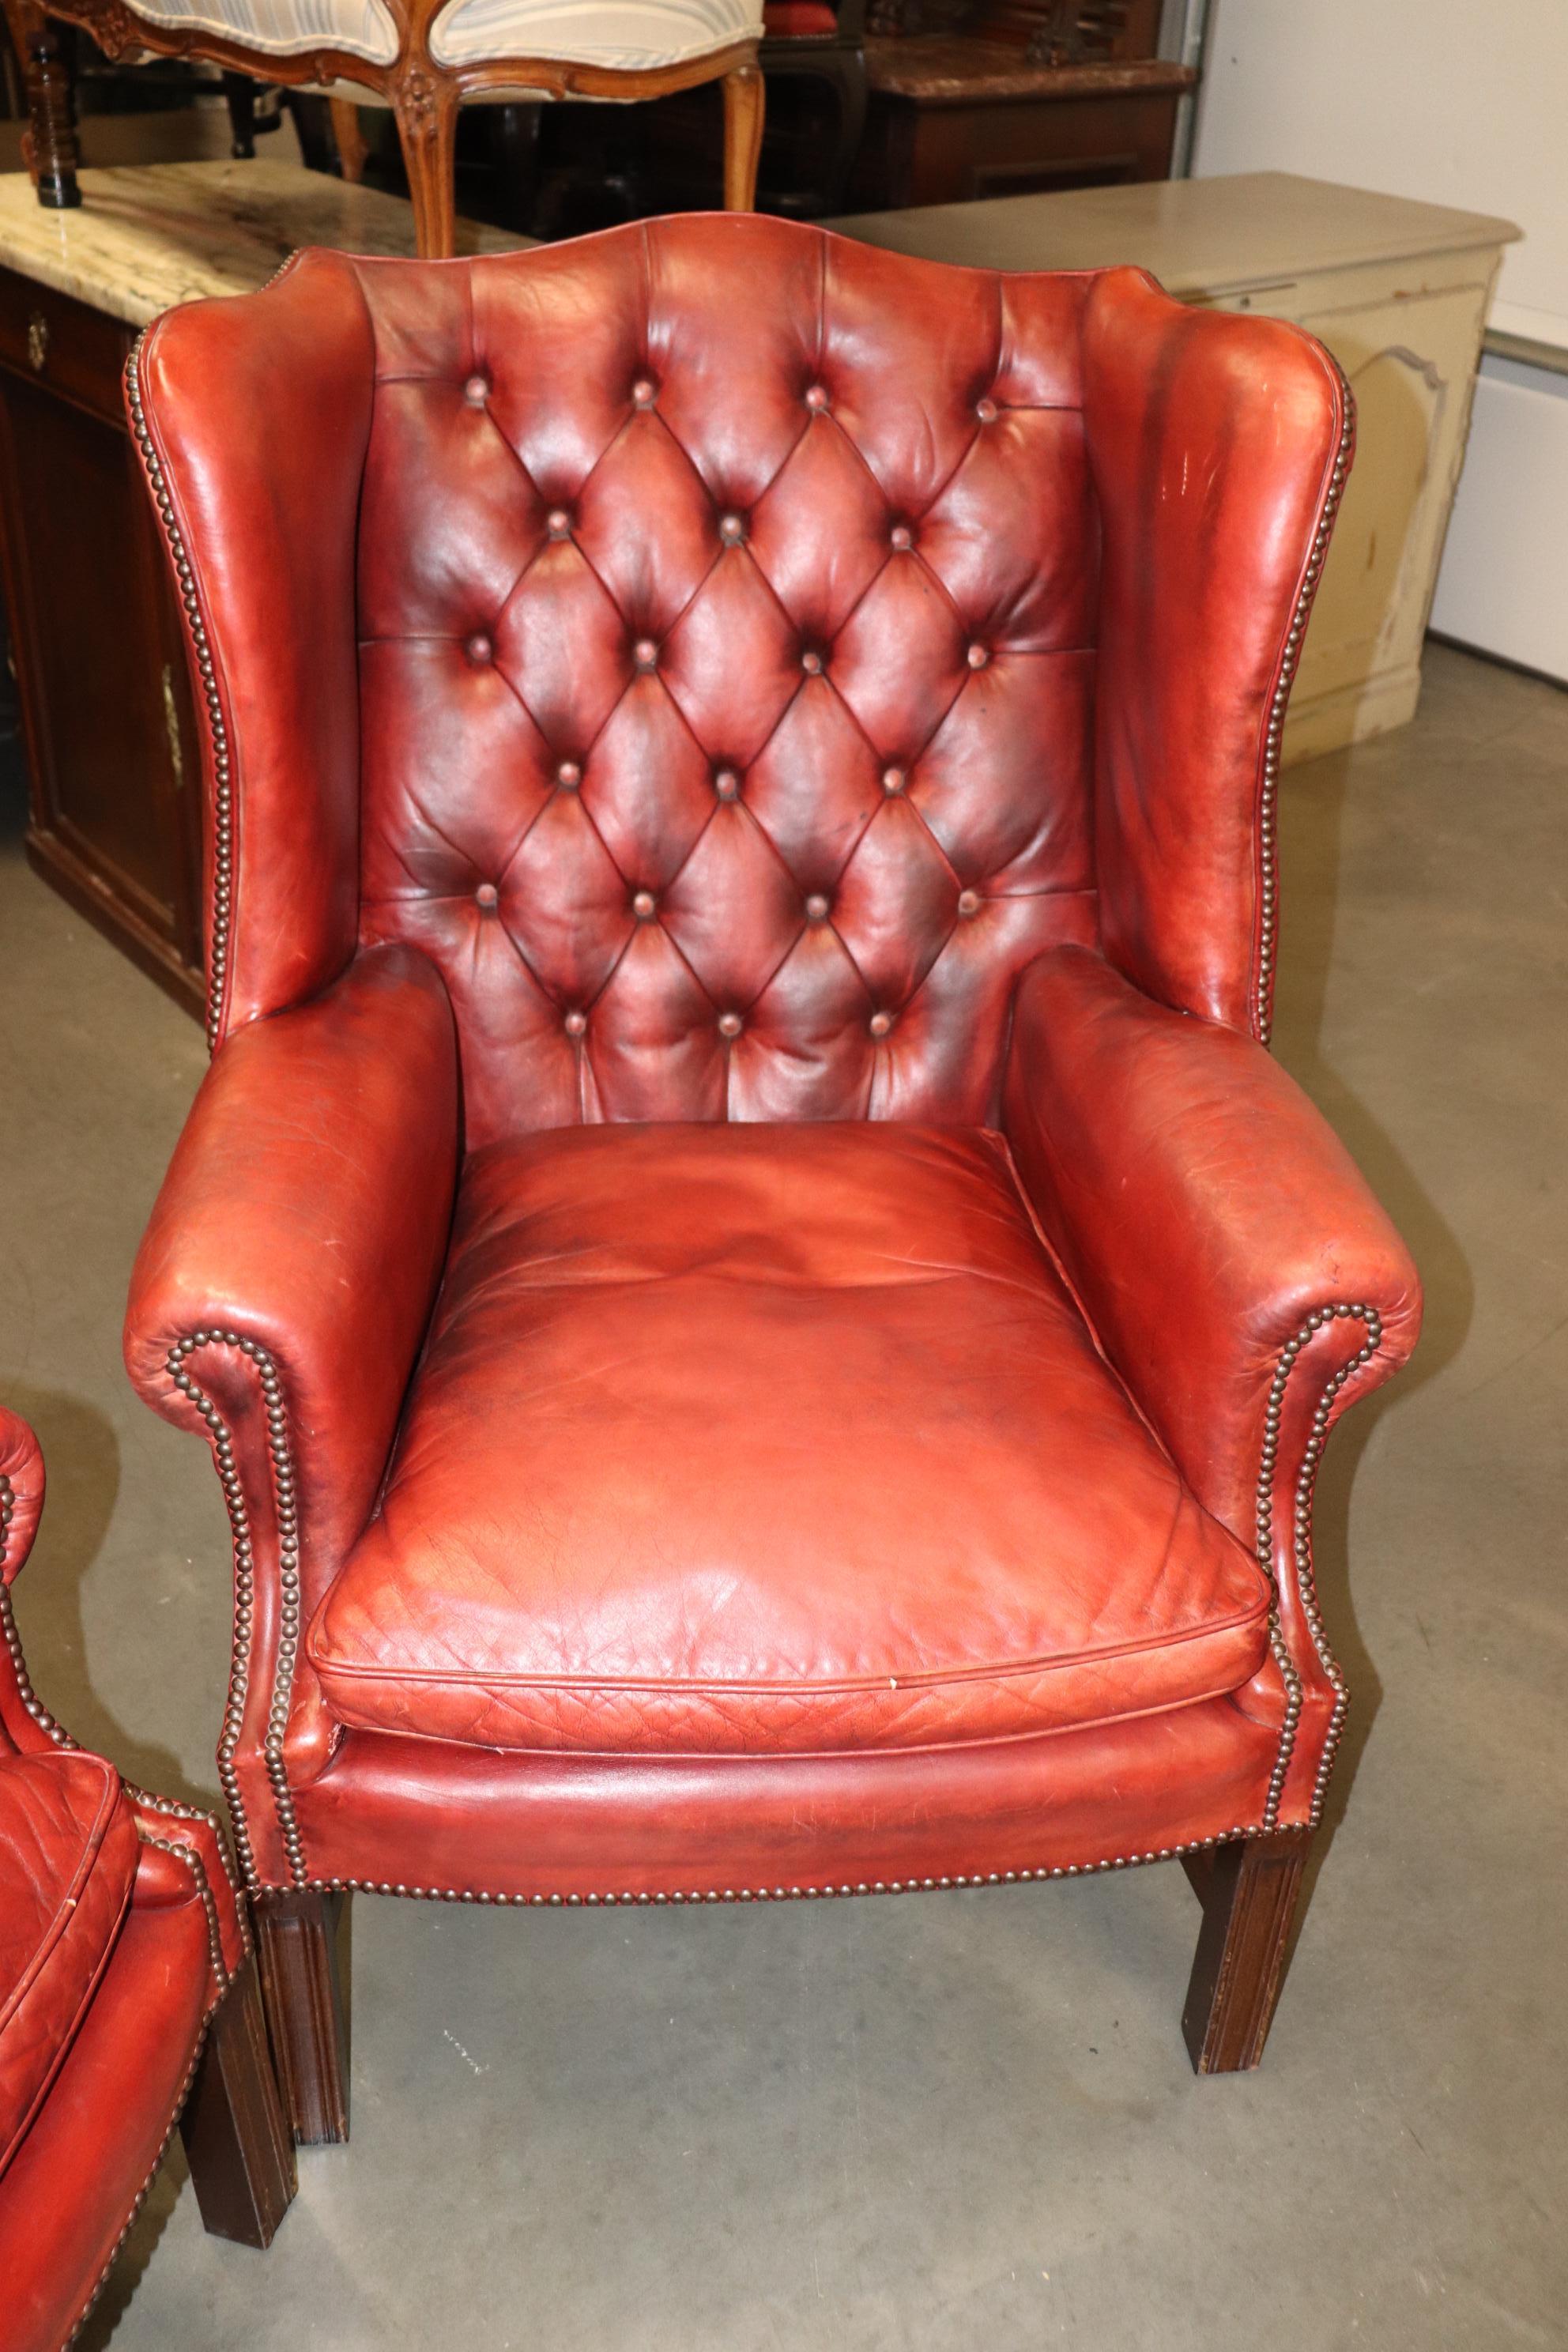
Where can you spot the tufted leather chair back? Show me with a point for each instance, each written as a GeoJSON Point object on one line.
{"type": "Point", "coordinates": [726, 625]}
{"type": "Point", "coordinates": [733, 654]}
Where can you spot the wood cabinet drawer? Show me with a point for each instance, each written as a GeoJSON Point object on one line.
{"type": "Point", "coordinates": [60, 344]}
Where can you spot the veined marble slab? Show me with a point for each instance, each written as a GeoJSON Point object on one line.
{"type": "Point", "coordinates": [149, 236]}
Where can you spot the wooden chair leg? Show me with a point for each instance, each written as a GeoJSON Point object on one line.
{"type": "Point", "coordinates": [1248, 1892]}
{"type": "Point", "coordinates": [743, 137]}
{"type": "Point", "coordinates": [237, 2141]}
{"type": "Point", "coordinates": [50, 146]}
{"type": "Point", "coordinates": [302, 1941]}
{"type": "Point", "coordinates": [351, 140]}
{"type": "Point", "coordinates": [426, 113]}
{"type": "Point", "coordinates": [239, 97]}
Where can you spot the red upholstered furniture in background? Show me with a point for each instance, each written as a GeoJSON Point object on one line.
{"type": "Point", "coordinates": [128, 1999]}
{"type": "Point", "coordinates": [765, 1318]}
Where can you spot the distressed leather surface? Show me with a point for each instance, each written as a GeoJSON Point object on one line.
{"type": "Point", "coordinates": [68, 2190]}
{"type": "Point", "coordinates": [812, 1454]}
{"type": "Point", "coordinates": [405, 1812]}
{"type": "Point", "coordinates": [631, 542]}
{"type": "Point", "coordinates": [106, 1976]}
{"type": "Point", "coordinates": [68, 1857]}
{"type": "Point", "coordinates": [757, 659]}
{"type": "Point", "coordinates": [1216, 1184]}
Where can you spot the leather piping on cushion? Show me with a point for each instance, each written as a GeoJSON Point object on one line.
{"type": "Point", "coordinates": [80, 1930]}
{"type": "Point", "coordinates": [245, 1591]}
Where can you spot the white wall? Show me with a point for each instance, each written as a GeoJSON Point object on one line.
{"type": "Point", "coordinates": [1459, 102]}
{"type": "Point", "coordinates": [1455, 101]}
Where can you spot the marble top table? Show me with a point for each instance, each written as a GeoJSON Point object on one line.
{"type": "Point", "coordinates": [152, 235]}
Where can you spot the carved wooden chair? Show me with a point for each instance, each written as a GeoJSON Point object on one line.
{"type": "Point", "coordinates": [421, 58]}
{"type": "Point", "coordinates": [767, 1321]}
{"type": "Point", "coordinates": [128, 1999]}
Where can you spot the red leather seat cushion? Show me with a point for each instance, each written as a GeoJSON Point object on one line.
{"type": "Point", "coordinates": [739, 1440]}
{"type": "Point", "coordinates": [67, 1858]}
{"type": "Point", "coordinates": [797, 20]}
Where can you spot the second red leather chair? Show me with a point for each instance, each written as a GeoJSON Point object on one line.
{"type": "Point", "coordinates": [766, 1321]}
{"type": "Point", "coordinates": [128, 1999]}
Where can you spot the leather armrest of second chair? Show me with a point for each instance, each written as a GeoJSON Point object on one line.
{"type": "Point", "coordinates": [1205, 1213]}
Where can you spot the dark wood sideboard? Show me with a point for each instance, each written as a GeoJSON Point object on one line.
{"type": "Point", "coordinates": [115, 819]}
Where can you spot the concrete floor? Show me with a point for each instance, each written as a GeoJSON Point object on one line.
{"type": "Point", "coordinates": [966, 2119]}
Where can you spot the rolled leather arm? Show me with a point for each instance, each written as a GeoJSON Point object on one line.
{"type": "Point", "coordinates": [1226, 1249]}
{"type": "Point", "coordinates": [283, 1286]}
{"type": "Point", "coordinates": [183, 1859]}
{"type": "Point", "coordinates": [23, 1714]}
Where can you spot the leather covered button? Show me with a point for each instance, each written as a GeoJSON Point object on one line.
{"type": "Point", "coordinates": [576, 1023]}
{"type": "Point", "coordinates": [810, 662]}
{"type": "Point", "coordinates": [644, 392]}
{"type": "Point", "coordinates": [892, 780]}
{"type": "Point", "coordinates": [488, 895]}
{"type": "Point", "coordinates": [558, 523]}
{"type": "Point", "coordinates": [986, 410]}
{"type": "Point", "coordinates": [568, 775]}
{"type": "Point", "coordinates": [901, 536]}
{"type": "Point", "coordinates": [816, 908]}
{"type": "Point", "coordinates": [817, 396]}
{"type": "Point", "coordinates": [643, 905]}
{"type": "Point", "coordinates": [880, 1022]}
{"type": "Point", "coordinates": [977, 657]}
{"type": "Point", "coordinates": [478, 648]}
{"type": "Point", "coordinates": [645, 652]}
{"type": "Point", "coordinates": [477, 391]}
{"type": "Point", "coordinates": [969, 902]}
{"type": "Point", "coordinates": [730, 1024]}
{"type": "Point", "coordinates": [727, 784]}
{"type": "Point", "coordinates": [732, 529]}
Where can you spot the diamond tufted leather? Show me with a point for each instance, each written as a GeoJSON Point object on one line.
{"type": "Point", "coordinates": [761, 795]}
{"type": "Point", "coordinates": [724, 576]}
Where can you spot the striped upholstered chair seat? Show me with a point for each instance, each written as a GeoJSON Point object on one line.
{"type": "Point", "coordinates": [635, 36]}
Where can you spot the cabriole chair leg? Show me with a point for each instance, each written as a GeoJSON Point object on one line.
{"type": "Point", "coordinates": [237, 2141]}
{"type": "Point", "coordinates": [1248, 1892]}
{"type": "Point", "coordinates": [302, 1941]}
{"type": "Point", "coordinates": [743, 137]}
{"type": "Point", "coordinates": [426, 112]}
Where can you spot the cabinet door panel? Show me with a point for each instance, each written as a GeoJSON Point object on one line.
{"type": "Point", "coordinates": [91, 661]}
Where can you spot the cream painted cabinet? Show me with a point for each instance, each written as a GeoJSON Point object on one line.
{"type": "Point", "coordinates": [1398, 291]}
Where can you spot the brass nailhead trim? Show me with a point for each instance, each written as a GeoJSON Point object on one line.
{"type": "Point", "coordinates": [30, 1700]}
{"type": "Point", "coordinates": [1268, 817]}
{"type": "Point", "coordinates": [1302, 1546]}
{"type": "Point", "coordinates": [191, 1861]}
{"type": "Point", "coordinates": [181, 2096]}
{"type": "Point", "coordinates": [284, 1494]}
{"type": "Point", "coordinates": [221, 754]}
{"type": "Point", "coordinates": [780, 1894]}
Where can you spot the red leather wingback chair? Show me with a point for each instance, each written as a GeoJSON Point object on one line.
{"type": "Point", "coordinates": [128, 1999]}
{"type": "Point", "coordinates": [767, 1321]}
